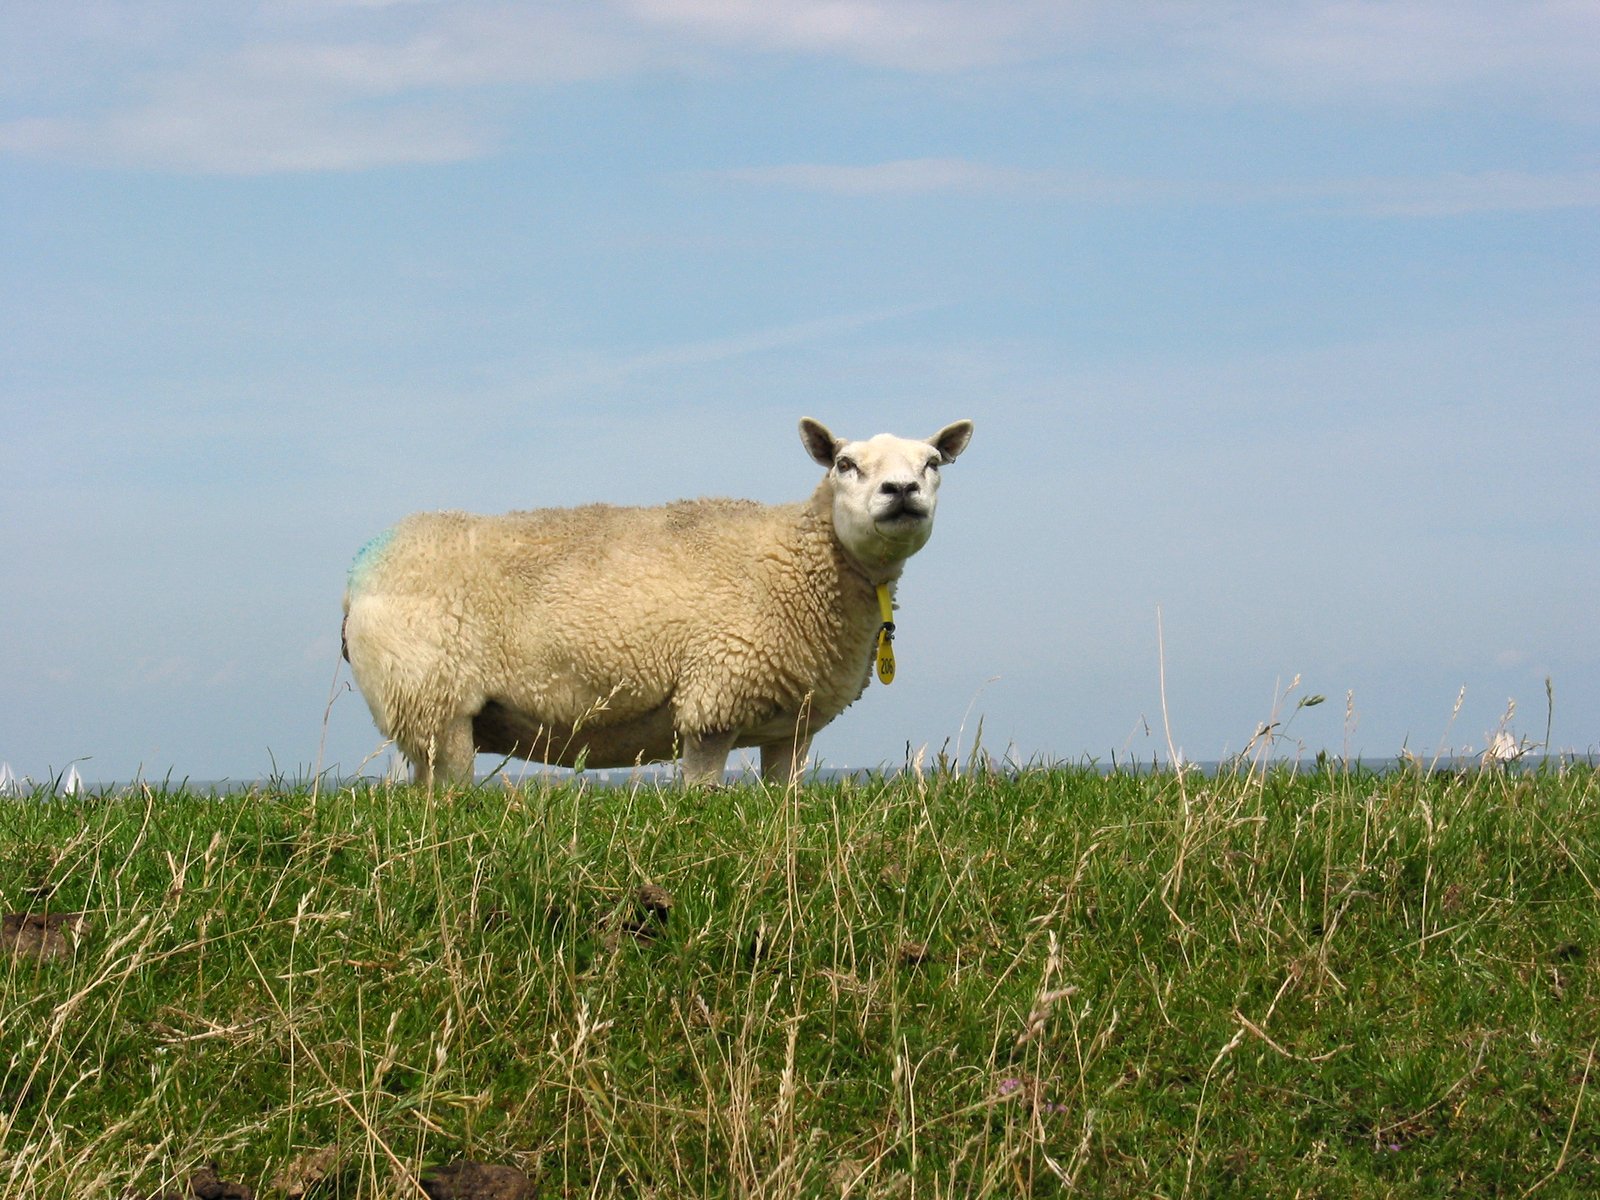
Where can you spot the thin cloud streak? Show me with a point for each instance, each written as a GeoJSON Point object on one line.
{"type": "Point", "coordinates": [901, 177]}
{"type": "Point", "coordinates": [1457, 194]}
{"type": "Point", "coordinates": [716, 350]}
{"type": "Point", "coordinates": [1465, 194]}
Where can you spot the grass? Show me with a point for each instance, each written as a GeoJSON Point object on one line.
{"type": "Point", "coordinates": [1326, 983]}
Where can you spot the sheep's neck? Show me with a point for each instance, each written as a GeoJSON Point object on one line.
{"type": "Point", "coordinates": [875, 577]}
{"type": "Point", "coordinates": [818, 516]}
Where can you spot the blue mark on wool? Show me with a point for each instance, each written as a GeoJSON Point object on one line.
{"type": "Point", "coordinates": [367, 557]}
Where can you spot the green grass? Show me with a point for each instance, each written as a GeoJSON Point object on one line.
{"type": "Point", "coordinates": [1332, 984]}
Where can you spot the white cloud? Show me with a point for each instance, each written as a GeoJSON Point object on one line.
{"type": "Point", "coordinates": [468, 46]}
{"type": "Point", "coordinates": [246, 135]}
{"type": "Point", "coordinates": [917, 35]}
{"type": "Point", "coordinates": [308, 84]}
{"type": "Point", "coordinates": [1348, 51]}
{"type": "Point", "coordinates": [1417, 44]}
{"type": "Point", "coordinates": [1352, 53]}
{"type": "Point", "coordinates": [380, 88]}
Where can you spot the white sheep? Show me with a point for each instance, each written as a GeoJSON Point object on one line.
{"type": "Point", "coordinates": [612, 636]}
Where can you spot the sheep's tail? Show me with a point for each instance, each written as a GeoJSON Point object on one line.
{"type": "Point", "coordinates": [344, 629]}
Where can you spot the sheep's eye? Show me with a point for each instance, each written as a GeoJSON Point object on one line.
{"type": "Point", "coordinates": [932, 465]}
{"type": "Point", "coordinates": [845, 465]}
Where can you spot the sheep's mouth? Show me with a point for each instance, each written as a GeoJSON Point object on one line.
{"type": "Point", "coordinates": [900, 522]}
{"type": "Point", "coordinates": [900, 515]}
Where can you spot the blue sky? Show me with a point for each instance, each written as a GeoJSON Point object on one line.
{"type": "Point", "coordinates": [1278, 318]}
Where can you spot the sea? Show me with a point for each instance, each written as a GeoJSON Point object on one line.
{"type": "Point", "coordinates": [534, 775]}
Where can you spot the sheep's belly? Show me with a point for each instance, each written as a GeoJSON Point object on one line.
{"type": "Point", "coordinates": [648, 737]}
{"type": "Point", "coordinates": [780, 728]}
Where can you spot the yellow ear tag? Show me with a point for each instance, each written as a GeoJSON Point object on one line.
{"type": "Point", "coordinates": [885, 636]}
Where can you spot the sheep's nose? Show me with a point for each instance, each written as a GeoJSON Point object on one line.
{"type": "Point", "coordinates": [890, 488]}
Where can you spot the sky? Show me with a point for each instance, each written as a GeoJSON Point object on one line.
{"type": "Point", "coordinates": [1276, 321]}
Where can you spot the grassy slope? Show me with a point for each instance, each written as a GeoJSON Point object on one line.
{"type": "Point", "coordinates": [1335, 985]}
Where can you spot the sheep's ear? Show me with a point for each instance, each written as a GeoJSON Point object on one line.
{"type": "Point", "coordinates": [819, 443]}
{"type": "Point", "coordinates": [952, 440]}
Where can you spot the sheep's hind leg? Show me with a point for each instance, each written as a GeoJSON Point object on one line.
{"type": "Point", "coordinates": [705, 755]}
{"type": "Point", "coordinates": [447, 757]}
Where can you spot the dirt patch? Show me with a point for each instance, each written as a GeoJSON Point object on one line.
{"type": "Point", "coordinates": [467, 1180]}
{"type": "Point", "coordinates": [42, 935]}
{"type": "Point", "coordinates": [204, 1184]}
{"type": "Point", "coordinates": [643, 917]}
{"type": "Point", "coordinates": [655, 901]}
{"type": "Point", "coordinates": [652, 906]}
{"type": "Point", "coordinates": [306, 1171]}
{"type": "Point", "coordinates": [913, 954]}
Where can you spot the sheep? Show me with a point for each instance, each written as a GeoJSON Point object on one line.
{"type": "Point", "coordinates": [608, 636]}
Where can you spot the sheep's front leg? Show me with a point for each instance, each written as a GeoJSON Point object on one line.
{"type": "Point", "coordinates": [784, 762]}
{"type": "Point", "coordinates": [705, 755]}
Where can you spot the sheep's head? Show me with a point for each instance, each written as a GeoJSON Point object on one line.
{"type": "Point", "coordinates": [884, 489]}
